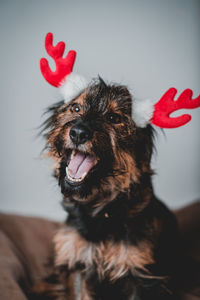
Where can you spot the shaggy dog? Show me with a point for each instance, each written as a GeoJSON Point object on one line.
{"type": "Point", "coordinates": [119, 240]}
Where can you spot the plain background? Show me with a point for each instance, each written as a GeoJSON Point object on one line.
{"type": "Point", "coordinates": [147, 45]}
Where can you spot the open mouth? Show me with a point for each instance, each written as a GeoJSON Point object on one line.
{"type": "Point", "coordinates": [80, 164]}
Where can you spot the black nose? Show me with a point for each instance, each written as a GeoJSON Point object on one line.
{"type": "Point", "coordinates": [79, 134]}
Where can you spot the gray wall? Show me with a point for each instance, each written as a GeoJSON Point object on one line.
{"type": "Point", "coordinates": [148, 45]}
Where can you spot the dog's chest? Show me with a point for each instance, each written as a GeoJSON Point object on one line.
{"type": "Point", "coordinates": [110, 259]}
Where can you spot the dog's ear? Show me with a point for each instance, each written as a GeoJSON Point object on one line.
{"type": "Point", "coordinates": [145, 111]}
{"type": "Point", "coordinates": [102, 83]}
{"type": "Point", "coordinates": [102, 87]}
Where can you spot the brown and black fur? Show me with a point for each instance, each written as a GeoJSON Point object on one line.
{"type": "Point", "coordinates": [118, 240]}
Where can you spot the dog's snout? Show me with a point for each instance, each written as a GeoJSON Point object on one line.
{"type": "Point", "coordinates": [80, 134]}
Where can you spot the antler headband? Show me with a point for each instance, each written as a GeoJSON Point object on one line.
{"type": "Point", "coordinates": [144, 111]}
{"type": "Point", "coordinates": [69, 83]}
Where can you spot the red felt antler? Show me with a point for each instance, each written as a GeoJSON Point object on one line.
{"type": "Point", "coordinates": [166, 105]}
{"type": "Point", "coordinates": [64, 66]}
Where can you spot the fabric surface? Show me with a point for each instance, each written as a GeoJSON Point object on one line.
{"type": "Point", "coordinates": [189, 228]}
{"type": "Point", "coordinates": [26, 246]}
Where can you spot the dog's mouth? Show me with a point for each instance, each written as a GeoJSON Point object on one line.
{"type": "Point", "coordinates": [80, 164]}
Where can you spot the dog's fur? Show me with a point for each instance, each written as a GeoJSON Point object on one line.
{"type": "Point", "coordinates": [118, 241]}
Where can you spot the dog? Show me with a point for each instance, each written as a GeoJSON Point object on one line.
{"type": "Point", "coordinates": [119, 241]}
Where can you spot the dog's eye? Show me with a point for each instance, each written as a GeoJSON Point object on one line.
{"type": "Point", "coordinates": [75, 108]}
{"type": "Point", "coordinates": [114, 118]}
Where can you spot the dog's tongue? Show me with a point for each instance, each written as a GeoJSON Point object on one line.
{"type": "Point", "coordinates": [80, 164]}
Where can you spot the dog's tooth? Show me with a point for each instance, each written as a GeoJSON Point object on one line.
{"type": "Point", "coordinates": [71, 178]}
{"type": "Point", "coordinates": [73, 154]}
{"type": "Point", "coordinates": [75, 179]}
{"type": "Point", "coordinates": [84, 174]}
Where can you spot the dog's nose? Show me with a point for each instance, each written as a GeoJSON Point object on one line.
{"type": "Point", "coordinates": [79, 134]}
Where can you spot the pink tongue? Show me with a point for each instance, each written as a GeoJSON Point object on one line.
{"type": "Point", "coordinates": [80, 164]}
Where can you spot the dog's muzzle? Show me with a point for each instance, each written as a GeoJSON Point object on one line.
{"type": "Point", "coordinates": [80, 163]}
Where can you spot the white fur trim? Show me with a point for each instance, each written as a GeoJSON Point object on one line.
{"type": "Point", "coordinates": [142, 112]}
{"type": "Point", "coordinates": [72, 86]}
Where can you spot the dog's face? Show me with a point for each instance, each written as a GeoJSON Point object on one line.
{"type": "Point", "coordinates": [98, 149]}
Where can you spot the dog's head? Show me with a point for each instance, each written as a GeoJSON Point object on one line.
{"type": "Point", "coordinates": [98, 149]}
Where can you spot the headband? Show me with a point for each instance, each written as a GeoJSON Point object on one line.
{"type": "Point", "coordinates": [71, 85]}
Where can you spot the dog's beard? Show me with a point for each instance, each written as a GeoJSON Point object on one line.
{"type": "Point", "coordinates": [111, 172]}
